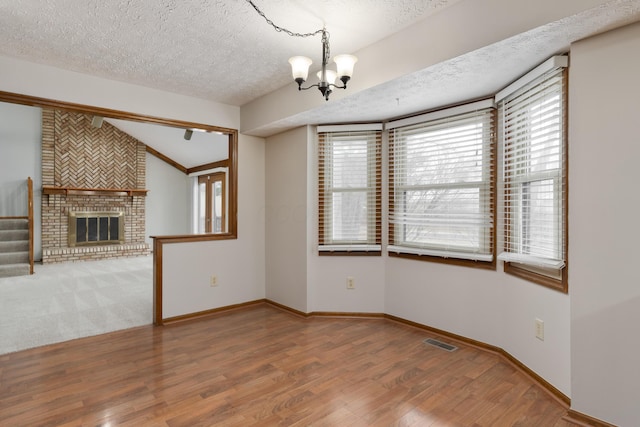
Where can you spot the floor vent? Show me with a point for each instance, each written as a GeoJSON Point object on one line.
{"type": "Point", "coordinates": [440, 344]}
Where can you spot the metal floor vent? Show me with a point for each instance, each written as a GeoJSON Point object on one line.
{"type": "Point", "coordinates": [440, 344]}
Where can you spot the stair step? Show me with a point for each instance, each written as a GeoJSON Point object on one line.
{"type": "Point", "coordinates": [14, 224]}
{"type": "Point", "coordinates": [8, 258]}
{"type": "Point", "coordinates": [8, 235]}
{"type": "Point", "coordinates": [11, 270]}
{"type": "Point", "coordinates": [14, 246]}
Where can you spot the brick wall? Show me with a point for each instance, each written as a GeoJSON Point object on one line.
{"type": "Point", "coordinates": [75, 154]}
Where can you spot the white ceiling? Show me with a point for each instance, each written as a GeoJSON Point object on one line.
{"type": "Point", "coordinates": [222, 50]}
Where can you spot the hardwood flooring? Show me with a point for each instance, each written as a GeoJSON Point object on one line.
{"type": "Point", "coordinates": [261, 366]}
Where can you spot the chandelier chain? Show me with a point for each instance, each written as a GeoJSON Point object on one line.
{"type": "Point", "coordinates": [284, 30]}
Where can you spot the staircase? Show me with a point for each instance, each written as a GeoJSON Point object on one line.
{"type": "Point", "coordinates": [14, 247]}
{"type": "Point", "coordinates": [16, 241]}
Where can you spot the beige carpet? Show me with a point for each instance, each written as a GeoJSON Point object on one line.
{"type": "Point", "coordinates": [65, 301]}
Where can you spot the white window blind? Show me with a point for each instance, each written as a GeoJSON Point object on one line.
{"type": "Point", "coordinates": [442, 186]}
{"type": "Point", "coordinates": [349, 166]}
{"type": "Point", "coordinates": [534, 128]}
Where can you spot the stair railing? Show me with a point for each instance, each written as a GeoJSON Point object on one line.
{"type": "Point", "coordinates": [30, 189]}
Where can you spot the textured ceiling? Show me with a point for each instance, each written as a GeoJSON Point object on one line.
{"type": "Point", "coordinates": [477, 74]}
{"type": "Point", "coordinates": [223, 51]}
{"type": "Point", "coordinates": [220, 50]}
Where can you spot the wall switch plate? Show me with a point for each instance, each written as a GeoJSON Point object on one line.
{"type": "Point", "coordinates": [214, 281]}
{"type": "Point", "coordinates": [351, 284]}
{"type": "Point", "coordinates": [540, 329]}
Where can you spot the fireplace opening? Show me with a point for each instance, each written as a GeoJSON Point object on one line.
{"type": "Point", "coordinates": [96, 228]}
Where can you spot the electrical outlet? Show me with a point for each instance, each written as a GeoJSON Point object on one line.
{"type": "Point", "coordinates": [350, 283]}
{"type": "Point", "coordinates": [540, 329]}
{"type": "Point", "coordinates": [214, 281]}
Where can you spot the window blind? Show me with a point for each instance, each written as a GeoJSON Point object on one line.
{"type": "Point", "coordinates": [534, 129]}
{"type": "Point", "coordinates": [442, 186]}
{"type": "Point", "coordinates": [349, 178]}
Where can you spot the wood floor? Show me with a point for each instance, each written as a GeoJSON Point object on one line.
{"type": "Point", "coordinates": [260, 366]}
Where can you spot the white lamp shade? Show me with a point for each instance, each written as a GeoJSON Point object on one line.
{"type": "Point", "coordinates": [345, 64]}
{"type": "Point", "coordinates": [300, 67]}
{"type": "Point", "coordinates": [331, 76]}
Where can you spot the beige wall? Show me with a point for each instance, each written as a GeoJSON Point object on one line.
{"type": "Point", "coordinates": [286, 218]}
{"type": "Point", "coordinates": [604, 202]}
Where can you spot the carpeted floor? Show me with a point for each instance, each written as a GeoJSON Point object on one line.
{"type": "Point", "coordinates": [61, 302]}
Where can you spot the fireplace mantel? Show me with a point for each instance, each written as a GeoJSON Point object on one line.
{"type": "Point", "coordinates": [70, 191]}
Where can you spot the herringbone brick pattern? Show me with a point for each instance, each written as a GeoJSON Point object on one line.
{"type": "Point", "coordinates": [77, 155]}
{"type": "Point", "coordinates": [88, 157]}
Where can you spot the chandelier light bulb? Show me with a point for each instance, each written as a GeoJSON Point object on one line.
{"type": "Point", "coordinates": [330, 75]}
{"type": "Point", "coordinates": [300, 68]}
{"type": "Point", "coordinates": [345, 64]}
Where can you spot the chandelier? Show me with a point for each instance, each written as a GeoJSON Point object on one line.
{"type": "Point", "coordinates": [300, 64]}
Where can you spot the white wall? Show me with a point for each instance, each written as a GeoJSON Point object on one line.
{"type": "Point", "coordinates": [21, 157]}
{"type": "Point", "coordinates": [286, 219]}
{"type": "Point", "coordinates": [167, 202]}
{"type": "Point", "coordinates": [43, 81]}
{"type": "Point", "coordinates": [327, 275]}
{"type": "Point", "coordinates": [488, 306]}
{"type": "Point", "coordinates": [238, 264]}
{"type": "Point", "coordinates": [604, 206]}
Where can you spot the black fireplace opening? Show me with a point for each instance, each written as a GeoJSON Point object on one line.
{"type": "Point", "coordinates": [93, 228]}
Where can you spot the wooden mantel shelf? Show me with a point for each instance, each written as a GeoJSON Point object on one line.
{"type": "Point", "coordinates": [70, 191]}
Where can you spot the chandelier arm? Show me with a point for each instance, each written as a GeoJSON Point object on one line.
{"type": "Point", "coordinates": [281, 29]}
{"type": "Point", "coordinates": [308, 87]}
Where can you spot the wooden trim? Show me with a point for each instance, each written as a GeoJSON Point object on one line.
{"type": "Point", "coordinates": [562, 284]}
{"type": "Point", "coordinates": [584, 420]}
{"type": "Point", "coordinates": [286, 308]}
{"type": "Point", "coordinates": [323, 201]}
{"type": "Point", "coordinates": [200, 314]}
{"type": "Point", "coordinates": [540, 279]}
{"type": "Point", "coordinates": [185, 238]}
{"type": "Point", "coordinates": [554, 392]}
{"type": "Point", "coordinates": [347, 315]}
{"type": "Point", "coordinates": [546, 386]}
{"type": "Point", "coordinates": [35, 101]}
{"type": "Point", "coordinates": [14, 217]}
{"type": "Point", "coordinates": [232, 208]}
{"type": "Point", "coordinates": [486, 265]}
{"type": "Point", "coordinates": [219, 164]}
{"type": "Point", "coordinates": [347, 252]}
{"type": "Point", "coordinates": [158, 243]}
{"type": "Point", "coordinates": [30, 209]}
{"type": "Point", "coordinates": [166, 159]}
{"type": "Point", "coordinates": [123, 115]}
{"type": "Point", "coordinates": [322, 143]}
{"type": "Point", "coordinates": [71, 191]}
{"type": "Point", "coordinates": [157, 282]}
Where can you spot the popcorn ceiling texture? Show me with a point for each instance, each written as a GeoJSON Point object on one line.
{"type": "Point", "coordinates": [222, 50]}
{"type": "Point", "coordinates": [195, 47]}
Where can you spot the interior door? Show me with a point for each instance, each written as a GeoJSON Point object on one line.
{"type": "Point", "coordinates": [212, 203]}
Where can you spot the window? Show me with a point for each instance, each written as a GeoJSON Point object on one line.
{"type": "Point", "coordinates": [211, 203]}
{"type": "Point", "coordinates": [535, 181]}
{"type": "Point", "coordinates": [349, 166]}
{"type": "Point", "coordinates": [442, 185]}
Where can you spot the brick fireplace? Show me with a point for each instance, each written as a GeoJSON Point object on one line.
{"type": "Point", "coordinates": [88, 169]}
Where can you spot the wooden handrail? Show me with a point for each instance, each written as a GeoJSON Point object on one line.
{"type": "Point", "coordinates": [30, 190]}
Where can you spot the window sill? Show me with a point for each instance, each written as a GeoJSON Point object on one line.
{"type": "Point", "coordinates": [348, 252]}
{"type": "Point", "coordinates": [486, 265]}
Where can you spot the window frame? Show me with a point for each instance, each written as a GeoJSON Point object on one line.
{"type": "Point", "coordinates": [553, 278]}
{"type": "Point", "coordinates": [487, 185]}
{"type": "Point", "coordinates": [372, 245]}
